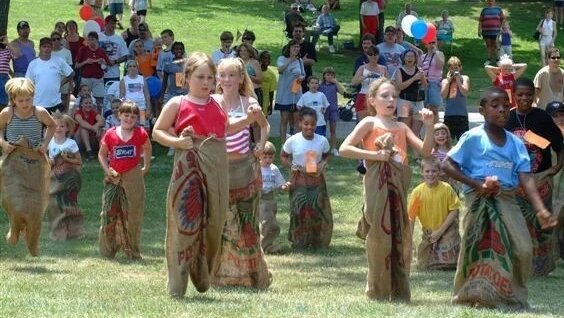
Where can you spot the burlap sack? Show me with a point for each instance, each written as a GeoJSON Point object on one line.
{"type": "Point", "coordinates": [443, 254]}
{"type": "Point", "coordinates": [241, 259]}
{"type": "Point", "coordinates": [269, 228]}
{"type": "Point", "coordinates": [384, 225]}
{"type": "Point", "coordinates": [495, 254]}
{"type": "Point", "coordinates": [544, 252]}
{"type": "Point", "coordinates": [24, 186]}
{"type": "Point", "coordinates": [65, 216]}
{"type": "Point", "coordinates": [311, 218]}
{"type": "Point", "coordinates": [123, 206]}
{"type": "Point", "coordinates": [198, 197]}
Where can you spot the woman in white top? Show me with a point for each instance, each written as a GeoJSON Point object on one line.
{"type": "Point", "coordinates": [365, 75]}
{"type": "Point", "coordinates": [547, 29]}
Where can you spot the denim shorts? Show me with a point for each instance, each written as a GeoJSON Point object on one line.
{"type": "Point", "coordinates": [3, 95]}
{"type": "Point", "coordinates": [116, 8]}
{"type": "Point", "coordinates": [433, 94]}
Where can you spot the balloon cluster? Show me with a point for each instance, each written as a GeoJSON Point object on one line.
{"type": "Point", "coordinates": [94, 22]}
{"type": "Point", "coordinates": [418, 29]}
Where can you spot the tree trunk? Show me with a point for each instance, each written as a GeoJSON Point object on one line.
{"type": "Point", "coordinates": [4, 9]}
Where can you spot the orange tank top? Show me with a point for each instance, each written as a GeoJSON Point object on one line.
{"type": "Point", "coordinates": [400, 141]}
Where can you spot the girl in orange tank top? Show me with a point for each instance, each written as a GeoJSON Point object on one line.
{"type": "Point", "coordinates": [384, 224]}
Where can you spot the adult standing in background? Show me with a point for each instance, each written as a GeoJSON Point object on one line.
{"type": "Point", "coordinates": [559, 12]}
{"type": "Point", "coordinates": [132, 32]}
{"type": "Point", "coordinates": [407, 11]}
{"type": "Point", "coordinates": [145, 36]}
{"type": "Point", "coordinates": [382, 6]}
{"type": "Point", "coordinates": [307, 53]}
{"type": "Point", "coordinates": [65, 54]}
{"type": "Point", "coordinates": [489, 26]}
{"type": "Point", "coordinates": [432, 64]}
{"type": "Point", "coordinates": [48, 73]}
{"type": "Point", "coordinates": [549, 81]}
{"type": "Point", "coordinates": [390, 51]}
{"type": "Point", "coordinates": [115, 49]}
{"type": "Point", "coordinates": [547, 29]}
{"type": "Point", "coordinates": [26, 47]}
{"type": "Point", "coordinates": [454, 89]}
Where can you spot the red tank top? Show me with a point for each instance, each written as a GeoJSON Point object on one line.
{"type": "Point", "coordinates": [206, 120]}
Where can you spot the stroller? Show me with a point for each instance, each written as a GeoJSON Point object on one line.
{"type": "Point", "coordinates": [347, 110]}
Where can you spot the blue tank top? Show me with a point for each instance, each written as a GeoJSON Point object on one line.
{"type": "Point", "coordinates": [250, 69]}
{"type": "Point", "coordinates": [28, 55]}
{"type": "Point", "coordinates": [456, 106]}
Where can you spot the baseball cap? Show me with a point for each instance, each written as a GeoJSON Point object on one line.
{"type": "Point", "coordinates": [22, 24]}
{"type": "Point", "coordinates": [554, 107]}
{"type": "Point", "coordinates": [45, 41]}
{"type": "Point", "coordinates": [110, 18]}
{"type": "Point", "coordinates": [390, 29]}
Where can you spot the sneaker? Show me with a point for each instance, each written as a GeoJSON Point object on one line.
{"type": "Point", "coordinates": [487, 62]}
{"type": "Point", "coordinates": [361, 169]}
{"type": "Point", "coordinates": [335, 152]}
{"type": "Point", "coordinates": [331, 49]}
{"type": "Point", "coordinates": [90, 155]}
{"type": "Point", "coordinates": [170, 152]}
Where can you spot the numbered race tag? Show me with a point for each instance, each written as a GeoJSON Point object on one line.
{"type": "Point", "coordinates": [179, 77]}
{"type": "Point", "coordinates": [536, 140]}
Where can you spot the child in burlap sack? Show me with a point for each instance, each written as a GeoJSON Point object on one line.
{"type": "Point", "coordinates": [198, 194]}
{"type": "Point", "coordinates": [272, 180]}
{"type": "Point", "coordinates": [436, 205]}
{"type": "Point", "coordinates": [123, 198]}
{"type": "Point", "coordinates": [382, 142]}
{"type": "Point", "coordinates": [65, 215]}
{"type": "Point", "coordinates": [25, 132]}
{"type": "Point", "coordinates": [496, 251]}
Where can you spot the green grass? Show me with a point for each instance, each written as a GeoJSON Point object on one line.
{"type": "Point", "coordinates": [70, 279]}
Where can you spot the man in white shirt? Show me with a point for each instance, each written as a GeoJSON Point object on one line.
{"type": "Point", "coordinates": [114, 46]}
{"type": "Point", "coordinates": [46, 73]}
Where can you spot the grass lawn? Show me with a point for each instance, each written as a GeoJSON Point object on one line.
{"type": "Point", "coordinates": [70, 279]}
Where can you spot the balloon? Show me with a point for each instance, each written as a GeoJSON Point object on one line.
{"type": "Point", "coordinates": [431, 33]}
{"type": "Point", "coordinates": [406, 23]}
{"type": "Point", "coordinates": [100, 22]}
{"type": "Point", "coordinates": [90, 26]}
{"type": "Point", "coordinates": [85, 12]}
{"type": "Point", "coordinates": [154, 84]}
{"type": "Point", "coordinates": [419, 29]}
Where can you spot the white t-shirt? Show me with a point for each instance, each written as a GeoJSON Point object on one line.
{"type": "Point", "coordinates": [63, 53]}
{"type": "Point", "coordinates": [140, 5]}
{"type": "Point", "coordinates": [272, 179]}
{"type": "Point", "coordinates": [218, 55]}
{"type": "Point", "coordinates": [134, 90]}
{"type": "Point", "coordinates": [317, 101]}
{"type": "Point", "coordinates": [46, 75]}
{"type": "Point", "coordinates": [115, 48]}
{"type": "Point", "coordinates": [298, 146]}
{"type": "Point", "coordinates": [68, 146]}
{"type": "Point", "coordinates": [369, 8]}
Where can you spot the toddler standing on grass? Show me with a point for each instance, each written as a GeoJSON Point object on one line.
{"type": "Point", "coordinates": [272, 180]}
{"type": "Point", "coordinates": [496, 251]}
{"type": "Point", "coordinates": [317, 101]}
{"type": "Point", "coordinates": [436, 205]}
{"type": "Point", "coordinates": [123, 199]}
{"type": "Point", "coordinates": [330, 87]}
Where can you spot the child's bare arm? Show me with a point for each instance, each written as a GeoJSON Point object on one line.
{"type": "Point", "coordinates": [285, 159]}
{"type": "Point", "coordinates": [438, 233]}
{"type": "Point", "coordinates": [47, 120]}
{"type": "Point", "coordinates": [545, 218]}
{"type": "Point", "coordinates": [452, 169]}
{"type": "Point", "coordinates": [492, 71]}
{"type": "Point", "coordinates": [147, 153]}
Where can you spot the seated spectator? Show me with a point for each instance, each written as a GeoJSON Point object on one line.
{"type": "Point", "coordinates": [445, 28]}
{"type": "Point", "coordinates": [326, 25]}
{"type": "Point", "coordinates": [401, 15]}
{"type": "Point", "coordinates": [292, 18]}
{"type": "Point", "coordinates": [306, 5]}
{"type": "Point", "coordinates": [225, 51]}
{"type": "Point", "coordinates": [90, 126]}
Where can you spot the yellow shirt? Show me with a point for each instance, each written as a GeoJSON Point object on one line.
{"type": "Point", "coordinates": [432, 205]}
{"type": "Point", "coordinates": [268, 85]}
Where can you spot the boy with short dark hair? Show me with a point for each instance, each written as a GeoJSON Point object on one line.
{"type": "Point", "coordinates": [225, 51]}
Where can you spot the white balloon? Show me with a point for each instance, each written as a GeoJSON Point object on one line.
{"type": "Point", "coordinates": [406, 23]}
{"type": "Point", "coordinates": [90, 26]}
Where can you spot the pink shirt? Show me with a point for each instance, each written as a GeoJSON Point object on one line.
{"type": "Point", "coordinates": [429, 66]}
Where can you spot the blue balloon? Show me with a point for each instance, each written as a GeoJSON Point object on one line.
{"type": "Point", "coordinates": [419, 29]}
{"type": "Point", "coordinates": [154, 84]}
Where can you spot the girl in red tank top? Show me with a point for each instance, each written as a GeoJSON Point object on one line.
{"type": "Point", "coordinates": [384, 224]}
{"type": "Point", "coordinates": [198, 196]}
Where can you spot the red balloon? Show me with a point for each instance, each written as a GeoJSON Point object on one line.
{"type": "Point", "coordinates": [100, 22]}
{"type": "Point", "coordinates": [431, 33]}
{"type": "Point", "coordinates": [86, 12]}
